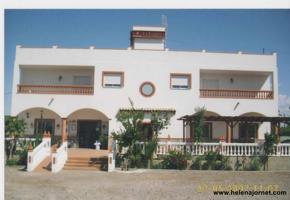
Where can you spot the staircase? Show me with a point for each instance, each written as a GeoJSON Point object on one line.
{"type": "Point", "coordinates": [44, 166]}
{"type": "Point", "coordinates": [87, 159]}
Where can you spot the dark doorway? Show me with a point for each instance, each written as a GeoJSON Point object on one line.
{"type": "Point", "coordinates": [88, 132]}
{"type": "Point", "coordinates": [248, 132]}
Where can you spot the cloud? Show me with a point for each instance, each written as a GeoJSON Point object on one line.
{"type": "Point", "coordinates": [284, 104]}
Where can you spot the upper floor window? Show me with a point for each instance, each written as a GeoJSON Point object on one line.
{"type": "Point", "coordinates": [180, 81]}
{"type": "Point", "coordinates": [113, 79]}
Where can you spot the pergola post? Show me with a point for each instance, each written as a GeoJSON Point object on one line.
{"type": "Point", "coordinates": [183, 124]}
{"type": "Point", "coordinates": [64, 129]}
{"type": "Point", "coordinates": [229, 128]}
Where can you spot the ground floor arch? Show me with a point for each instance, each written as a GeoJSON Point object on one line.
{"type": "Point", "coordinates": [38, 120]}
{"type": "Point", "coordinates": [87, 126]}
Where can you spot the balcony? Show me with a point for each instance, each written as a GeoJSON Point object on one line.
{"type": "Point", "coordinates": [239, 94]}
{"type": "Point", "coordinates": [56, 89]}
{"type": "Point", "coordinates": [73, 80]}
{"type": "Point", "coordinates": [236, 84]}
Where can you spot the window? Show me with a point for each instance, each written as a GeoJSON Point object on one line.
{"type": "Point", "coordinates": [147, 89]}
{"type": "Point", "coordinates": [207, 131]}
{"type": "Point", "coordinates": [82, 80]}
{"type": "Point", "coordinates": [41, 125]}
{"type": "Point", "coordinates": [180, 81]}
{"type": "Point", "coordinates": [248, 131]}
{"type": "Point", "coordinates": [113, 79]}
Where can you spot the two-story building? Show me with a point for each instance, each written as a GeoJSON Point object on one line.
{"type": "Point", "coordinates": [80, 91]}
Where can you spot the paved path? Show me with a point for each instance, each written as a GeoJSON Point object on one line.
{"type": "Point", "coordinates": [140, 184]}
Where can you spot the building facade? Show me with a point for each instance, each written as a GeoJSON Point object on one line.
{"type": "Point", "coordinates": [81, 90]}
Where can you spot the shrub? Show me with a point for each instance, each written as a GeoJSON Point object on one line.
{"type": "Point", "coordinates": [197, 162]}
{"type": "Point", "coordinates": [174, 160]}
{"type": "Point", "coordinates": [211, 161]}
{"type": "Point", "coordinates": [254, 164]}
{"type": "Point", "coordinates": [11, 162]}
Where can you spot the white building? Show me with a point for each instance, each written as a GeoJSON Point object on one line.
{"type": "Point", "coordinates": [84, 89]}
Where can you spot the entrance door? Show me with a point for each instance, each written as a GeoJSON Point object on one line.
{"type": "Point", "coordinates": [88, 132]}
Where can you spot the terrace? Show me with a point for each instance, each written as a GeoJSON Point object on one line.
{"type": "Point", "coordinates": [74, 80]}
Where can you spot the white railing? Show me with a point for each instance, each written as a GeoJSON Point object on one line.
{"type": "Point", "coordinates": [59, 158]}
{"type": "Point", "coordinates": [240, 149]}
{"type": "Point", "coordinates": [226, 149]}
{"type": "Point", "coordinates": [202, 148]}
{"type": "Point", "coordinates": [282, 149]}
{"type": "Point", "coordinates": [38, 154]}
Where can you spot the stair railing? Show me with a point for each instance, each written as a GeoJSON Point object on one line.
{"type": "Point", "coordinates": [38, 154]}
{"type": "Point", "coordinates": [59, 158]}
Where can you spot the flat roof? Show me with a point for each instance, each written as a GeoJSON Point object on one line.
{"type": "Point", "coordinates": [237, 118]}
{"type": "Point", "coordinates": [165, 50]}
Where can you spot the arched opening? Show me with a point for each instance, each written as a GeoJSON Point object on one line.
{"type": "Point", "coordinates": [86, 126]}
{"type": "Point", "coordinates": [211, 130]}
{"type": "Point", "coordinates": [38, 120]}
{"type": "Point", "coordinates": [247, 131]}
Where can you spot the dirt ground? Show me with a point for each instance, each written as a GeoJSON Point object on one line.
{"type": "Point", "coordinates": [139, 184]}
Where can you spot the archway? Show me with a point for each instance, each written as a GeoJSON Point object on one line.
{"type": "Point", "coordinates": [86, 126]}
{"type": "Point", "coordinates": [249, 131]}
{"type": "Point", "coordinates": [40, 119]}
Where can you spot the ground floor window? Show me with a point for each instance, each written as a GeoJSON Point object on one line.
{"type": "Point", "coordinates": [206, 135]}
{"type": "Point", "coordinates": [248, 132]}
{"type": "Point", "coordinates": [206, 132]}
{"type": "Point", "coordinates": [42, 125]}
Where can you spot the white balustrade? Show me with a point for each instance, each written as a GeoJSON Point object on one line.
{"type": "Point", "coordinates": [38, 154]}
{"type": "Point", "coordinates": [226, 149]}
{"type": "Point", "coordinates": [281, 149]}
{"type": "Point", "coordinates": [59, 158]}
{"type": "Point", "coordinates": [240, 149]}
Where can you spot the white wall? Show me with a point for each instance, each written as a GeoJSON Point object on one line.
{"type": "Point", "coordinates": [140, 66]}
{"type": "Point", "coordinates": [153, 44]}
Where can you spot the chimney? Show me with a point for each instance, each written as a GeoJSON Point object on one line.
{"type": "Point", "coordinates": [148, 37]}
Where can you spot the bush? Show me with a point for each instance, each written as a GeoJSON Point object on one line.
{"type": "Point", "coordinates": [11, 162]}
{"type": "Point", "coordinates": [197, 162]}
{"type": "Point", "coordinates": [174, 160]}
{"type": "Point", "coordinates": [254, 164]}
{"type": "Point", "coordinates": [211, 161]}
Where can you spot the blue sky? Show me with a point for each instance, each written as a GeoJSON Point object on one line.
{"type": "Point", "coordinates": [213, 30]}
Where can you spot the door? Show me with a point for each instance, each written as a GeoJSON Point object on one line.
{"type": "Point", "coordinates": [88, 132]}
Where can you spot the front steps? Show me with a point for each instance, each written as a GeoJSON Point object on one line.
{"type": "Point", "coordinates": [79, 163]}
{"type": "Point", "coordinates": [44, 166]}
{"type": "Point", "coordinates": [87, 159]}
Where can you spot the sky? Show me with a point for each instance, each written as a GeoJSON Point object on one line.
{"type": "Point", "coordinates": [252, 31]}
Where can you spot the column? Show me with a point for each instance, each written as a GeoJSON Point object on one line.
{"type": "Point", "coordinates": [229, 132]}
{"type": "Point", "coordinates": [64, 129]}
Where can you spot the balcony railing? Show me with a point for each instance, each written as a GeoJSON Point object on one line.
{"type": "Point", "coordinates": [56, 89]}
{"type": "Point", "coordinates": [238, 94]}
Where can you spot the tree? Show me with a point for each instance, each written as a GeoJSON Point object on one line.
{"type": "Point", "coordinates": [269, 144]}
{"type": "Point", "coordinates": [14, 128]}
{"type": "Point", "coordinates": [198, 123]}
{"type": "Point", "coordinates": [133, 132]}
{"type": "Point", "coordinates": [159, 121]}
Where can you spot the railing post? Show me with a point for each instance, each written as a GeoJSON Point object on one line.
{"type": "Point", "coordinates": [29, 158]}
{"type": "Point", "coordinates": [112, 157]}
{"type": "Point", "coordinates": [47, 140]}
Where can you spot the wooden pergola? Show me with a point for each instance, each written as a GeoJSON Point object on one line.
{"type": "Point", "coordinates": [232, 121]}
